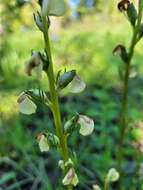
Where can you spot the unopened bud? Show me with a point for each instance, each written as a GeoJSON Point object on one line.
{"type": "Point", "coordinates": [65, 79]}
{"type": "Point", "coordinates": [70, 124]}
{"type": "Point", "coordinates": [132, 14]}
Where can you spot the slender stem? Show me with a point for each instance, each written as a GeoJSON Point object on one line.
{"type": "Point", "coordinates": [124, 103]}
{"type": "Point", "coordinates": [54, 98]}
{"type": "Point", "coordinates": [106, 183]}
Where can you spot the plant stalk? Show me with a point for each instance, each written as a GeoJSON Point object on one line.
{"type": "Point", "coordinates": [124, 103]}
{"type": "Point", "coordinates": [54, 98]}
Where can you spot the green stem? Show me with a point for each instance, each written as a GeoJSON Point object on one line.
{"type": "Point", "coordinates": [124, 107]}
{"type": "Point", "coordinates": [54, 98]}
{"type": "Point", "coordinates": [106, 184]}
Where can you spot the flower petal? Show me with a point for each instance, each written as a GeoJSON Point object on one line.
{"type": "Point", "coordinates": [57, 7]}
{"type": "Point", "coordinates": [86, 125]}
{"type": "Point", "coordinates": [113, 175]}
{"type": "Point", "coordinates": [70, 178]}
{"type": "Point", "coordinates": [96, 187]}
{"type": "Point", "coordinates": [53, 7]}
{"type": "Point", "coordinates": [26, 106]}
{"type": "Point", "coordinates": [76, 85]}
{"type": "Point", "coordinates": [43, 144]}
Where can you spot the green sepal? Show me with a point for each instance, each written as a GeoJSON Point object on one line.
{"type": "Point", "coordinates": [65, 79]}
{"type": "Point", "coordinates": [132, 14]}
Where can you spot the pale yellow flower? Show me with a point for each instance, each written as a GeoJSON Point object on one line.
{"type": "Point", "coordinates": [43, 143]}
{"type": "Point", "coordinates": [86, 125]}
{"type": "Point", "coordinates": [76, 85]}
{"type": "Point", "coordinates": [70, 178]}
{"type": "Point", "coordinates": [26, 105]}
{"type": "Point", "coordinates": [113, 175]}
{"type": "Point", "coordinates": [53, 7]}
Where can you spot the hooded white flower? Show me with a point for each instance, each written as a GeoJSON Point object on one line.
{"type": "Point", "coordinates": [96, 187]}
{"type": "Point", "coordinates": [34, 66]}
{"type": "Point", "coordinates": [76, 85]}
{"type": "Point", "coordinates": [53, 7]}
{"type": "Point", "coordinates": [113, 175]}
{"type": "Point", "coordinates": [70, 178]}
{"type": "Point", "coordinates": [86, 125]}
{"type": "Point", "coordinates": [26, 105]}
{"type": "Point", "coordinates": [43, 143]}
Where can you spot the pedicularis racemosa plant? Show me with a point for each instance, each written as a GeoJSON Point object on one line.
{"type": "Point", "coordinates": [42, 62]}
{"type": "Point", "coordinates": [135, 18]}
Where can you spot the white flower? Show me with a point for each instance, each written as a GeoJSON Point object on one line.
{"type": "Point", "coordinates": [96, 187]}
{"type": "Point", "coordinates": [26, 105]}
{"type": "Point", "coordinates": [113, 175]}
{"type": "Point", "coordinates": [70, 178]}
{"type": "Point", "coordinates": [86, 125]}
{"type": "Point", "coordinates": [43, 143]}
{"type": "Point", "coordinates": [34, 66]}
{"type": "Point", "coordinates": [76, 85]}
{"type": "Point", "coordinates": [53, 7]}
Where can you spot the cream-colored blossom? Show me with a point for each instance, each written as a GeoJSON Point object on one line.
{"type": "Point", "coordinates": [76, 85]}
{"type": "Point", "coordinates": [86, 125]}
{"type": "Point", "coordinates": [53, 7]}
{"type": "Point", "coordinates": [96, 187]}
{"type": "Point", "coordinates": [70, 178]}
{"type": "Point", "coordinates": [43, 143]}
{"type": "Point", "coordinates": [113, 175]}
{"type": "Point", "coordinates": [26, 105]}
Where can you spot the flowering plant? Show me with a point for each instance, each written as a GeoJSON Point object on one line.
{"type": "Point", "coordinates": [42, 62]}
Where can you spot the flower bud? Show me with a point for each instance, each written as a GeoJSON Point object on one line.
{"type": "Point", "coordinates": [69, 163]}
{"type": "Point", "coordinates": [65, 79]}
{"type": "Point", "coordinates": [96, 187]}
{"type": "Point", "coordinates": [121, 51]}
{"type": "Point", "coordinates": [26, 105]}
{"type": "Point", "coordinates": [53, 139]}
{"type": "Point", "coordinates": [132, 14]}
{"type": "Point", "coordinates": [86, 125]}
{"type": "Point", "coordinates": [34, 65]}
{"type": "Point", "coordinates": [38, 21]}
{"type": "Point", "coordinates": [113, 175]}
{"type": "Point", "coordinates": [66, 164]}
{"type": "Point", "coordinates": [43, 143]}
{"type": "Point", "coordinates": [70, 178]}
{"type": "Point", "coordinates": [76, 85]}
{"type": "Point", "coordinates": [53, 7]}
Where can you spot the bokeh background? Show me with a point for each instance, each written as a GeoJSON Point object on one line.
{"type": "Point", "coordinates": [83, 39]}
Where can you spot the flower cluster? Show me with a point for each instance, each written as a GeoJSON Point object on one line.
{"type": "Point", "coordinates": [69, 80]}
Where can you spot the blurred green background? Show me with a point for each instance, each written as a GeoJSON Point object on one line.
{"type": "Point", "coordinates": [83, 39]}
